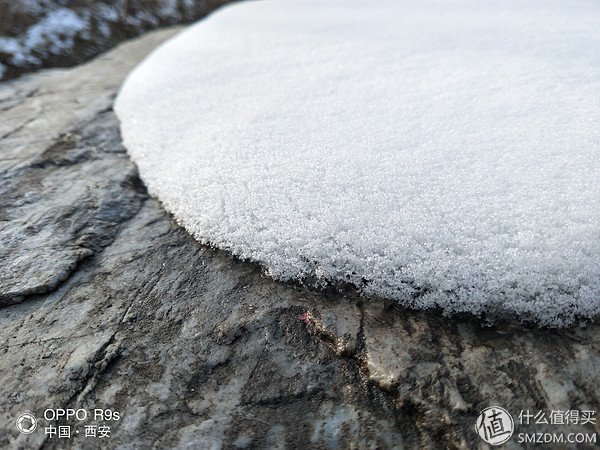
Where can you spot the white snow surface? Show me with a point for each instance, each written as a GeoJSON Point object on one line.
{"type": "Point", "coordinates": [440, 153]}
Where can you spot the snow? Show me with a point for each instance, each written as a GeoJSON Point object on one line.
{"type": "Point", "coordinates": [76, 31]}
{"type": "Point", "coordinates": [442, 154]}
{"type": "Point", "coordinates": [54, 33]}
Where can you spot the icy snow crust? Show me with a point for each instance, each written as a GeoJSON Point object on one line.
{"type": "Point", "coordinates": [443, 154]}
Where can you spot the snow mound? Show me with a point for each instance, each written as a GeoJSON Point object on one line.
{"type": "Point", "coordinates": [443, 154]}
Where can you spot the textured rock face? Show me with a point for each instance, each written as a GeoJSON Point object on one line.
{"type": "Point", "coordinates": [107, 303]}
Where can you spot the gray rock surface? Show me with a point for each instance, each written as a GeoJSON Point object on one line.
{"type": "Point", "coordinates": [109, 304]}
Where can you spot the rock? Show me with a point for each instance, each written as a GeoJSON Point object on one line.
{"type": "Point", "coordinates": [42, 33]}
{"type": "Point", "coordinates": [54, 179]}
{"type": "Point", "coordinates": [108, 304]}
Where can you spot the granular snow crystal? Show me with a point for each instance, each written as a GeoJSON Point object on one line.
{"type": "Point", "coordinates": [445, 154]}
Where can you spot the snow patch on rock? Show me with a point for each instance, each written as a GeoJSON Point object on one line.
{"type": "Point", "coordinates": [442, 154]}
